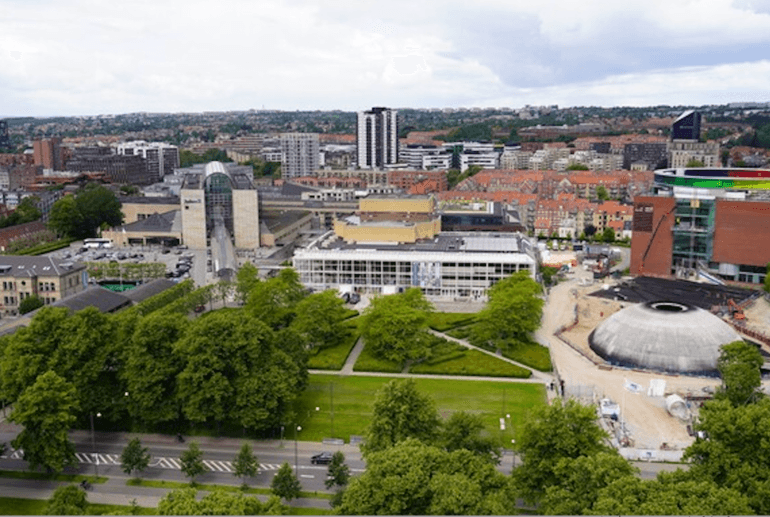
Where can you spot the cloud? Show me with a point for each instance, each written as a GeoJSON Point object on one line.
{"type": "Point", "coordinates": [90, 57]}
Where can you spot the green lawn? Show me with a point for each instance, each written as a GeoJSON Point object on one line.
{"type": "Point", "coordinates": [368, 363]}
{"type": "Point", "coordinates": [74, 478]}
{"type": "Point", "coordinates": [18, 506]}
{"type": "Point", "coordinates": [158, 483]}
{"type": "Point", "coordinates": [352, 398]}
{"type": "Point", "coordinates": [443, 321]}
{"type": "Point", "coordinates": [454, 359]}
{"type": "Point", "coordinates": [531, 354]}
{"type": "Point", "coordinates": [332, 358]}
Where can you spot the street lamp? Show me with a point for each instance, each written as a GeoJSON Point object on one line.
{"type": "Point", "coordinates": [296, 457]}
{"type": "Point", "coordinates": [513, 446]}
{"type": "Point", "coordinates": [93, 444]}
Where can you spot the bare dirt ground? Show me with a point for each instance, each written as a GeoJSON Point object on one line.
{"type": "Point", "coordinates": [648, 424]}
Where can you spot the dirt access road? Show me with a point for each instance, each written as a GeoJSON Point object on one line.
{"type": "Point", "coordinates": [647, 423]}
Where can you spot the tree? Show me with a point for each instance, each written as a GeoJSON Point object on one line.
{"type": "Point", "coordinates": [65, 218]}
{"type": "Point", "coordinates": [589, 230]}
{"type": "Point", "coordinates": [550, 434]}
{"type": "Point", "coordinates": [245, 463]}
{"type": "Point", "coordinates": [81, 216]}
{"type": "Point", "coordinates": [577, 167]}
{"type": "Point", "coordinates": [608, 235]}
{"type": "Point", "coordinates": [273, 300]}
{"type": "Point", "coordinates": [285, 483]}
{"type": "Point", "coordinates": [513, 311]}
{"type": "Point", "coordinates": [192, 462]}
{"type": "Point", "coordinates": [246, 279]}
{"type": "Point", "coordinates": [400, 412]}
{"type": "Point", "coordinates": [184, 501]}
{"type": "Point", "coordinates": [394, 326]}
{"type": "Point", "coordinates": [601, 193]}
{"type": "Point", "coordinates": [739, 364]}
{"type": "Point", "coordinates": [693, 162]}
{"type": "Point", "coordinates": [466, 431]}
{"type": "Point", "coordinates": [46, 410]}
{"type": "Point", "coordinates": [413, 478]}
{"type": "Point", "coordinates": [732, 456]}
{"type": "Point", "coordinates": [338, 472]}
{"type": "Point", "coordinates": [767, 279]}
{"type": "Point", "coordinates": [235, 369]}
{"type": "Point", "coordinates": [30, 303]}
{"type": "Point", "coordinates": [134, 458]}
{"type": "Point", "coordinates": [67, 500]}
{"type": "Point", "coordinates": [319, 319]}
{"type": "Point", "coordinates": [580, 481]}
{"type": "Point", "coordinates": [151, 367]}
{"type": "Point", "coordinates": [670, 494]}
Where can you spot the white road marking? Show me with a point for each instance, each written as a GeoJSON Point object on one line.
{"type": "Point", "coordinates": [306, 476]}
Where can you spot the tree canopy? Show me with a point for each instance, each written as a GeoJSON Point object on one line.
{"type": "Point", "coordinates": [285, 483]}
{"type": "Point", "coordinates": [47, 411]}
{"type": "Point", "coordinates": [400, 411]}
{"type": "Point", "coordinates": [81, 216]}
{"type": "Point", "coordinates": [413, 478]}
{"type": "Point", "coordinates": [513, 311]}
{"type": "Point", "coordinates": [394, 326]}
{"type": "Point", "coordinates": [184, 501]}
{"type": "Point", "coordinates": [67, 500]}
{"type": "Point", "coordinates": [739, 363]}
{"type": "Point", "coordinates": [550, 434]}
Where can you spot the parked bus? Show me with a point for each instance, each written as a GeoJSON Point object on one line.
{"type": "Point", "coordinates": [97, 243]}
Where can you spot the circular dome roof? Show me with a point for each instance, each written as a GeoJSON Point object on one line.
{"type": "Point", "coordinates": [664, 336]}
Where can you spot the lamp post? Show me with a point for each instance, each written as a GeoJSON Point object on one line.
{"type": "Point", "coordinates": [513, 446]}
{"type": "Point", "coordinates": [93, 444]}
{"type": "Point", "coordinates": [296, 457]}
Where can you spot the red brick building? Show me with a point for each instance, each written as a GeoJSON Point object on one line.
{"type": "Point", "coordinates": [731, 238]}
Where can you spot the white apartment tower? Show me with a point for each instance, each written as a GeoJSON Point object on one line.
{"type": "Point", "coordinates": [300, 154]}
{"type": "Point", "coordinates": [377, 138]}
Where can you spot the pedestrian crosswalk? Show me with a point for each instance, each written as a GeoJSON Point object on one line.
{"type": "Point", "coordinates": [155, 461]}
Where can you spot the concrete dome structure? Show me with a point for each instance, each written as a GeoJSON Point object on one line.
{"type": "Point", "coordinates": [663, 336]}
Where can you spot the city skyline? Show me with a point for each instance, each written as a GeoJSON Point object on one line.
{"type": "Point", "coordinates": [83, 57]}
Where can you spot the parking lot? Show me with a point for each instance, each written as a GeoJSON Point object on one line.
{"type": "Point", "coordinates": [179, 263]}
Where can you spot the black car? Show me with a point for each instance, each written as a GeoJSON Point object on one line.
{"type": "Point", "coordinates": [323, 458]}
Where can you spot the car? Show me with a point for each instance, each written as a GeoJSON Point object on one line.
{"type": "Point", "coordinates": [322, 458]}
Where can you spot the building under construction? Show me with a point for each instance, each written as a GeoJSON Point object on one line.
{"type": "Point", "coordinates": [712, 223]}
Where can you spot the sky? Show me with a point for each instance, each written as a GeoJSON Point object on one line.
{"type": "Point", "coordinates": [91, 57]}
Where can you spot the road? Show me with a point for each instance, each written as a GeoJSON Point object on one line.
{"type": "Point", "coordinates": [218, 454]}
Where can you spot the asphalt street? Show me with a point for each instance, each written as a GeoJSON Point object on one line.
{"type": "Point", "coordinates": [218, 454]}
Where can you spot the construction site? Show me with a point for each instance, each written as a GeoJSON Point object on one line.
{"type": "Point", "coordinates": [644, 351]}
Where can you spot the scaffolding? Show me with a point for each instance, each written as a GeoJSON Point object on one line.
{"type": "Point", "coordinates": [693, 235]}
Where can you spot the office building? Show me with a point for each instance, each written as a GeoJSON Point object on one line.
{"type": "Point", "coordinates": [123, 169]}
{"type": "Point", "coordinates": [161, 158]}
{"type": "Point", "coordinates": [377, 138]}
{"type": "Point", "coordinates": [686, 126]}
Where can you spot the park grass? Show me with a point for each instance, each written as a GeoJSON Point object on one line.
{"type": "Point", "coordinates": [443, 321]}
{"type": "Point", "coordinates": [367, 362]}
{"type": "Point", "coordinates": [530, 353]}
{"type": "Point", "coordinates": [295, 510]}
{"type": "Point", "coordinates": [172, 485]}
{"type": "Point", "coordinates": [116, 509]}
{"type": "Point", "coordinates": [19, 506]}
{"type": "Point", "coordinates": [333, 357]}
{"type": "Point", "coordinates": [352, 399]}
{"type": "Point", "coordinates": [40, 476]}
{"type": "Point", "coordinates": [454, 359]}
